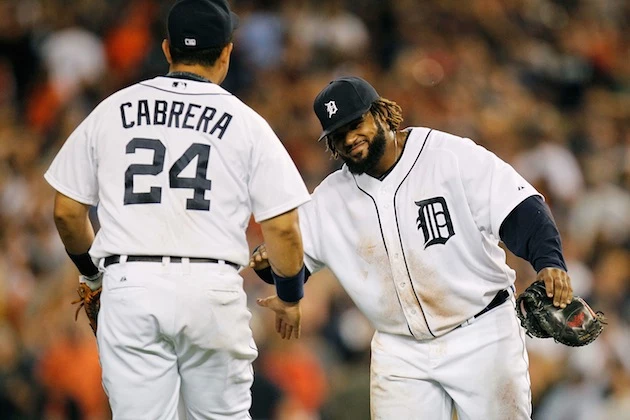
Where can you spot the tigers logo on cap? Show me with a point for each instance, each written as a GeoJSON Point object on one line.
{"type": "Point", "coordinates": [331, 108]}
{"type": "Point", "coordinates": [344, 99]}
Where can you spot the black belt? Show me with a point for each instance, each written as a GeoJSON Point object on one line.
{"type": "Point", "coordinates": [115, 259]}
{"type": "Point", "coordinates": [500, 297]}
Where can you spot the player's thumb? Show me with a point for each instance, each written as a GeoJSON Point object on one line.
{"type": "Point", "coordinates": [265, 303]}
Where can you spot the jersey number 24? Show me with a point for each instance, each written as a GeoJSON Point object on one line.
{"type": "Point", "coordinates": [199, 184]}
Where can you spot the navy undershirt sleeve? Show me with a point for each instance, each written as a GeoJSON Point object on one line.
{"type": "Point", "coordinates": [530, 232]}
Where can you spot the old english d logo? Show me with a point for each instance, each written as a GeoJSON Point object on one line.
{"type": "Point", "coordinates": [435, 221]}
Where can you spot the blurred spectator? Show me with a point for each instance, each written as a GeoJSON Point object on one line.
{"type": "Point", "coordinates": [261, 35]}
{"type": "Point", "coordinates": [70, 369]}
{"type": "Point", "coordinates": [19, 60]}
{"type": "Point", "coordinates": [551, 166]}
{"type": "Point", "coordinates": [20, 395]}
{"type": "Point", "coordinates": [332, 31]}
{"type": "Point", "coordinates": [602, 214]}
{"type": "Point", "coordinates": [74, 57]}
{"type": "Point", "coordinates": [128, 42]}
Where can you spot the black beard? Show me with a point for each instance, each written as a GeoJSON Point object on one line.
{"type": "Point", "coordinates": [376, 150]}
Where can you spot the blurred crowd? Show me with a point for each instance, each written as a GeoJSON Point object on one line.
{"type": "Point", "coordinates": [545, 84]}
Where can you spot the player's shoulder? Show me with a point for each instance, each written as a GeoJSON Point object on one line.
{"type": "Point", "coordinates": [441, 140]}
{"type": "Point", "coordinates": [328, 195]}
{"type": "Point", "coordinates": [461, 151]}
{"type": "Point", "coordinates": [100, 116]}
{"type": "Point", "coordinates": [338, 177]}
{"type": "Point", "coordinates": [450, 148]}
{"type": "Point", "coordinates": [333, 184]}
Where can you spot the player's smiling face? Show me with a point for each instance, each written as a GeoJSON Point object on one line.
{"type": "Point", "coordinates": [360, 144]}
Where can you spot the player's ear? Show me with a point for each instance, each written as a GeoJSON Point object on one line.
{"type": "Point", "coordinates": [226, 52]}
{"type": "Point", "coordinates": [166, 49]}
{"type": "Point", "coordinates": [223, 61]}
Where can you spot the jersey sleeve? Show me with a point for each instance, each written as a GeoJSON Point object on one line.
{"type": "Point", "coordinates": [275, 185]}
{"type": "Point", "coordinates": [73, 170]}
{"type": "Point", "coordinates": [309, 227]}
{"type": "Point", "coordinates": [492, 187]}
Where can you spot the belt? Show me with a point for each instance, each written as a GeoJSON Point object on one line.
{"type": "Point", "coordinates": [115, 259]}
{"type": "Point", "coordinates": [500, 297]}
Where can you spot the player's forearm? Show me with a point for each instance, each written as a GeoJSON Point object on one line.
{"type": "Point", "coordinates": [530, 233]}
{"type": "Point", "coordinates": [284, 243]}
{"type": "Point", "coordinates": [73, 224]}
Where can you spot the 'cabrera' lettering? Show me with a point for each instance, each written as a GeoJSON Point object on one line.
{"type": "Point", "coordinates": [175, 114]}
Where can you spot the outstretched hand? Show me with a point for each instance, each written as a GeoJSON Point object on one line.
{"type": "Point", "coordinates": [288, 316]}
{"type": "Point", "coordinates": [557, 285]}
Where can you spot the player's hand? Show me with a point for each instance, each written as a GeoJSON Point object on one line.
{"type": "Point", "coordinates": [557, 285]}
{"type": "Point", "coordinates": [288, 316]}
{"type": "Point", "coordinates": [259, 259]}
{"type": "Point", "coordinates": [94, 282]}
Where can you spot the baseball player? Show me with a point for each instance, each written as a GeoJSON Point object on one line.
{"type": "Point", "coordinates": [410, 225]}
{"type": "Point", "coordinates": [176, 166]}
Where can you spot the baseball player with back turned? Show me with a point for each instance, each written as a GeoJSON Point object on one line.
{"type": "Point", "coordinates": [176, 166]}
{"type": "Point", "coordinates": [410, 225]}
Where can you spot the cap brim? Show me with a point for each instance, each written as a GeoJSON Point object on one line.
{"type": "Point", "coordinates": [342, 122]}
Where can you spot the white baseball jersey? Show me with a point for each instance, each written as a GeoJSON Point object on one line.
{"type": "Point", "coordinates": [418, 251]}
{"type": "Point", "coordinates": [176, 167]}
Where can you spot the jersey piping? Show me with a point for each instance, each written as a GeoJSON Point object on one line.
{"type": "Point", "coordinates": [378, 217]}
{"type": "Point", "coordinates": [402, 246]}
{"type": "Point", "coordinates": [380, 226]}
{"type": "Point", "coordinates": [387, 172]}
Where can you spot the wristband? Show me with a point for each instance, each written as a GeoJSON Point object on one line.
{"type": "Point", "coordinates": [266, 275]}
{"type": "Point", "coordinates": [290, 289]}
{"type": "Point", "coordinates": [84, 264]}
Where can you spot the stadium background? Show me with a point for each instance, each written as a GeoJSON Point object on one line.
{"type": "Point", "coordinates": [545, 84]}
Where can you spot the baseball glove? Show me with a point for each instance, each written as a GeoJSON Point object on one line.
{"type": "Point", "coordinates": [90, 300]}
{"type": "Point", "coordinates": [575, 325]}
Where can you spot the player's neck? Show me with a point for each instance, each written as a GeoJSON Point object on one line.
{"type": "Point", "coordinates": [212, 74]}
{"type": "Point", "coordinates": [393, 151]}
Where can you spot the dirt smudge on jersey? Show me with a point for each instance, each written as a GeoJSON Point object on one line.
{"type": "Point", "coordinates": [508, 407]}
{"type": "Point", "coordinates": [435, 297]}
{"type": "Point", "coordinates": [366, 249]}
{"type": "Point", "coordinates": [376, 261]}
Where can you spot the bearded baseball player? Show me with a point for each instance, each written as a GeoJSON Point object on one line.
{"type": "Point", "coordinates": [177, 165]}
{"type": "Point", "coordinates": [411, 225]}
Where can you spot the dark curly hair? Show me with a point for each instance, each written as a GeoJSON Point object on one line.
{"type": "Point", "coordinates": [384, 109]}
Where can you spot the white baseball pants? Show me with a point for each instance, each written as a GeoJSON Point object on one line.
{"type": "Point", "coordinates": [170, 328]}
{"type": "Point", "coordinates": [480, 370]}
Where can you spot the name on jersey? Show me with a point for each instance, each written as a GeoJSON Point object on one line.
{"type": "Point", "coordinates": [175, 114]}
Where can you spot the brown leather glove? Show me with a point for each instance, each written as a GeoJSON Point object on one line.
{"type": "Point", "coordinates": [90, 300]}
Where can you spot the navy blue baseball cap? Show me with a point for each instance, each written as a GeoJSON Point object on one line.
{"type": "Point", "coordinates": [200, 24]}
{"type": "Point", "coordinates": [344, 100]}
